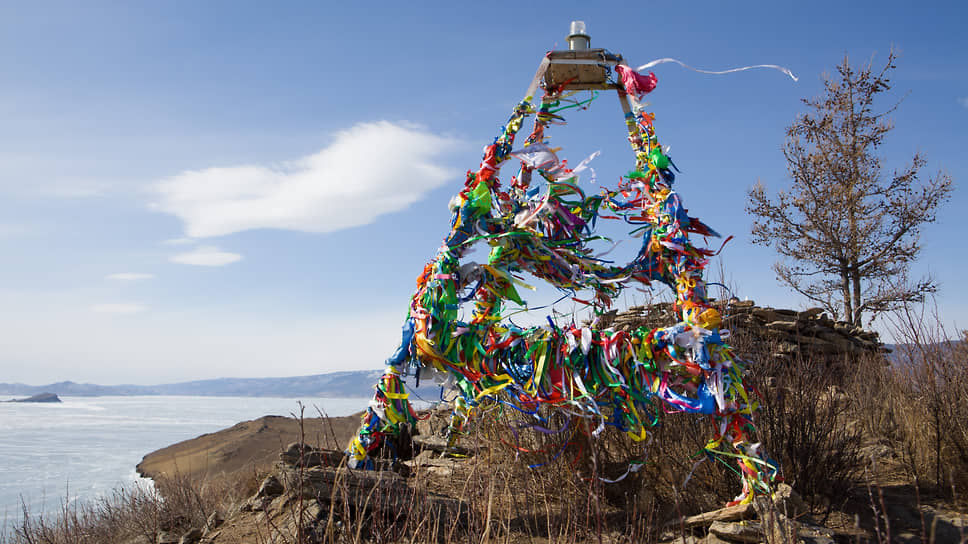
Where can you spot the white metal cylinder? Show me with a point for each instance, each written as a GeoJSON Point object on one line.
{"type": "Point", "coordinates": [577, 39]}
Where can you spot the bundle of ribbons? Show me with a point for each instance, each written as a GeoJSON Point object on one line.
{"type": "Point", "coordinates": [546, 227]}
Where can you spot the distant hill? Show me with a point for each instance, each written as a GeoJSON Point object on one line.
{"type": "Point", "coordinates": [358, 383]}
{"type": "Point", "coordinates": [900, 354]}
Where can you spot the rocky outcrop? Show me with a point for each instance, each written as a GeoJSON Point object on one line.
{"type": "Point", "coordinates": [790, 333]}
{"type": "Point", "coordinates": [781, 333]}
{"type": "Point", "coordinates": [782, 518]}
{"type": "Point", "coordinates": [313, 496]}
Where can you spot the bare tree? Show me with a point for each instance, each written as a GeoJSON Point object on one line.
{"type": "Point", "coordinates": [848, 232]}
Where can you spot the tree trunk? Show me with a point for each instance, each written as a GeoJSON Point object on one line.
{"type": "Point", "coordinates": [857, 319]}
{"type": "Point", "coordinates": [845, 290]}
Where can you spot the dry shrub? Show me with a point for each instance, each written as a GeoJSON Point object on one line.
{"type": "Point", "coordinates": [124, 515]}
{"type": "Point", "coordinates": [684, 477]}
{"type": "Point", "coordinates": [924, 412]}
{"type": "Point", "coordinates": [875, 385]}
{"type": "Point", "coordinates": [806, 421]}
{"type": "Point", "coordinates": [806, 424]}
{"type": "Point", "coordinates": [555, 486]}
{"type": "Point", "coordinates": [529, 481]}
{"type": "Point", "coordinates": [137, 514]}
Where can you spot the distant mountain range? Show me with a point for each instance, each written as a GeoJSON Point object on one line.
{"type": "Point", "coordinates": [351, 384]}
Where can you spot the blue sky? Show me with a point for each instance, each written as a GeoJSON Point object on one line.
{"type": "Point", "coordinates": [199, 189]}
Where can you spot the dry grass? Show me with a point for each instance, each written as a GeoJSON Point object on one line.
{"type": "Point", "coordinates": [134, 515]}
{"type": "Point", "coordinates": [921, 407]}
{"type": "Point", "coordinates": [807, 425]}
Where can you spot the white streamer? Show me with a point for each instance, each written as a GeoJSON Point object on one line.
{"type": "Point", "coordinates": [686, 66]}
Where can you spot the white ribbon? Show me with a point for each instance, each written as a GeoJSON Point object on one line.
{"type": "Point", "coordinates": [648, 65]}
{"type": "Point", "coordinates": [583, 165]}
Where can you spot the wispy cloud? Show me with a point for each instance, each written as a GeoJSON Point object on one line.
{"type": "Point", "coordinates": [206, 256]}
{"type": "Point", "coordinates": [963, 101]}
{"type": "Point", "coordinates": [370, 169]}
{"type": "Point", "coordinates": [77, 188]}
{"type": "Point", "coordinates": [178, 241]}
{"type": "Point", "coordinates": [129, 276]}
{"type": "Point", "coordinates": [119, 309]}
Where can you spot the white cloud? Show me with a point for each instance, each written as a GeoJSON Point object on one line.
{"type": "Point", "coordinates": [121, 309]}
{"type": "Point", "coordinates": [206, 256]}
{"type": "Point", "coordinates": [369, 170]}
{"type": "Point", "coordinates": [963, 101]}
{"type": "Point", "coordinates": [130, 276]}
